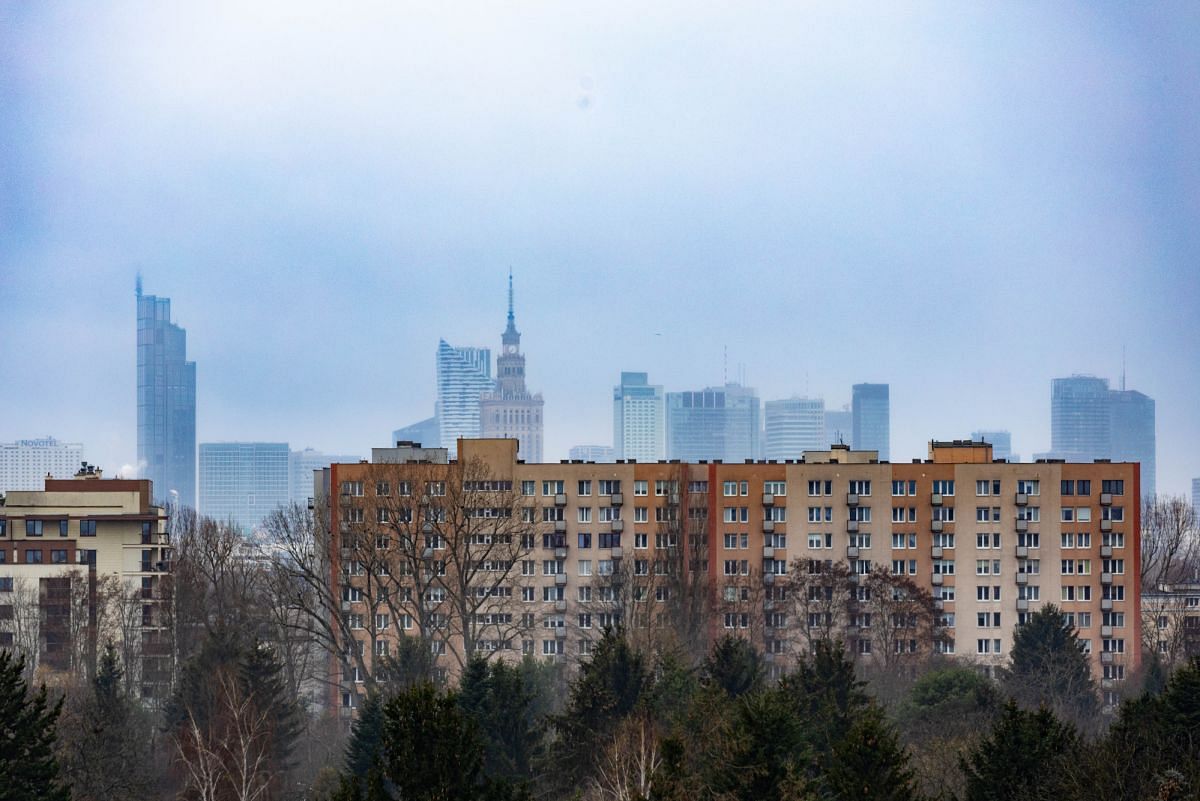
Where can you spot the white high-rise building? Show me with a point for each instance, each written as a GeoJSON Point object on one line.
{"type": "Point", "coordinates": [243, 482]}
{"type": "Point", "coordinates": [301, 465]}
{"type": "Point", "coordinates": [463, 375]}
{"type": "Point", "coordinates": [793, 426]}
{"type": "Point", "coordinates": [639, 419]}
{"type": "Point", "coordinates": [24, 464]}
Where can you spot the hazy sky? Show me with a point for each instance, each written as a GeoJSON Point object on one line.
{"type": "Point", "coordinates": [964, 200]}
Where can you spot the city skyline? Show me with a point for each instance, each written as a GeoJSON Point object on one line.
{"type": "Point", "coordinates": [864, 188]}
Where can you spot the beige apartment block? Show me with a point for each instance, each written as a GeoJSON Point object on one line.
{"type": "Point", "coordinates": [83, 561]}
{"type": "Point", "coordinates": [1171, 622]}
{"type": "Point", "coordinates": [947, 554]}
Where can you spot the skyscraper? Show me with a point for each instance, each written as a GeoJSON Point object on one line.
{"type": "Point", "coordinates": [1001, 442]}
{"type": "Point", "coordinates": [639, 419]}
{"type": "Point", "coordinates": [591, 453]}
{"type": "Point", "coordinates": [463, 375]}
{"type": "Point", "coordinates": [793, 426]}
{"type": "Point", "coordinates": [871, 423]}
{"type": "Point", "coordinates": [243, 482]}
{"type": "Point", "coordinates": [839, 427]}
{"type": "Point", "coordinates": [166, 398]}
{"type": "Point", "coordinates": [509, 410]}
{"type": "Point", "coordinates": [1132, 428]}
{"type": "Point", "coordinates": [1080, 418]}
{"type": "Point", "coordinates": [425, 432]}
{"type": "Point", "coordinates": [24, 464]}
{"type": "Point", "coordinates": [301, 465]}
{"type": "Point", "coordinates": [714, 423]}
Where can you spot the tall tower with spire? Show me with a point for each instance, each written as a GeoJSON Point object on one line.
{"type": "Point", "coordinates": [510, 410]}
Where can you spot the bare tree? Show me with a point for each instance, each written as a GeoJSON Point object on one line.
{"type": "Point", "coordinates": [819, 595]}
{"type": "Point", "coordinates": [1170, 541]}
{"type": "Point", "coordinates": [897, 617]}
{"type": "Point", "coordinates": [628, 764]}
{"type": "Point", "coordinates": [226, 753]}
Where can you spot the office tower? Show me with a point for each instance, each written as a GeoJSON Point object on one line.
{"type": "Point", "coordinates": [839, 427]}
{"type": "Point", "coordinates": [302, 464]}
{"type": "Point", "coordinates": [794, 426]}
{"type": "Point", "coordinates": [243, 482]}
{"type": "Point", "coordinates": [509, 410]}
{"type": "Point", "coordinates": [871, 419]}
{"type": "Point", "coordinates": [713, 423]}
{"type": "Point", "coordinates": [463, 375]}
{"type": "Point", "coordinates": [593, 453]}
{"type": "Point", "coordinates": [1132, 430]}
{"type": "Point", "coordinates": [61, 541]}
{"type": "Point", "coordinates": [639, 419]}
{"type": "Point", "coordinates": [425, 432]}
{"type": "Point", "coordinates": [601, 525]}
{"type": "Point", "coordinates": [166, 398]}
{"type": "Point", "coordinates": [1001, 442]}
{"type": "Point", "coordinates": [1080, 418]}
{"type": "Point", "coordinates": [24, 464]}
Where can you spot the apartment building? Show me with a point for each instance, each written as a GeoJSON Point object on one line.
{"type": "Point", "coordinates": [947, 553]}
{"type": "Point", "coordinates": [84, 560]}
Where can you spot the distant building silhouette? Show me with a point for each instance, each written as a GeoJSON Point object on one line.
{"type": "Point", "coordinates": [463, 375]}
{"type": "Point", "coordinates": [714, 423]}
{"type": "Point", "coordinates": [1001, 442]}
{"type": "Point", "coordinates": [639, 419]}
{"type": "Point", "coordinates": [839, 427]}
{"type": "Point", "coordinates": [793, 426]}
{"type": "Point", "coordinates": [593, 453]}
{"type": "Point", "coordinates": [1132, 427]}
{"type": "Point", "coordinates": [509, 410]}
{"type": "Point", "coordinates": [24, 464]}
{"type": "Point", "coordinates": [425, 432]}
{"type": "Point", "coordinates": [872, 419]}
{"type": "Point", "coordinates": [1089, 421]}
{"type": "Point", "coordinates": [301, 465]}
{"type": "Point", "coordinates": [243, 482]}
{"type": "Point", "coordinates": [166, 402]}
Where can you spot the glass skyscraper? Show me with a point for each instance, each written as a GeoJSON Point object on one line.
{"type": "Point", "coordinates": [463, 375]}
{"type": "Point", "coordinates": [1132, 426]}
{"type": "Point", "coordinates": [1090, 421]}
{"type": "Point", "coordinates": [1001, 442]}
{"type": "Point", "coordinates": [243, 482]}
{"type": "Point", "coordinates": [639, 419]}
{"type": "Point", "coordinates": [793, 426]}
{"type": "Point", "coordinates": [166, 402]}
{"type": "Point", "coordinates": [301, 465]}
{"type": "Point", "coordinates": [871, 419]}
{"type": "Point", "coordinates": [713, 423]}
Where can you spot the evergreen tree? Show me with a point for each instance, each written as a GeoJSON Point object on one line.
{"type": "Point", "coordinates": [28, 768]}
{"type": "Point", "coordinates": [1048, 666]}
{"type": "Point", "coordinates": [495, 696]}
{"type": "Point", "coordinates": [824, 692]}
{"type": "Point", "coordinates": [734, 665]}
{"type": "Point", "coordinates": [432, 749]}
{"type": "Point", "coordinates": [261, 676]}
{"type": "Point", "coordinates": [1022, 758]}
{"type": "Point", "coordinates": [869, 762]}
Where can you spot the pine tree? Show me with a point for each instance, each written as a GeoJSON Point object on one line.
{"type": "Point", "coordinates": [28, 768]}
{"type": "Point", "coordinates": [734, 665]}
{"type": "Point", "coordinates": [1021, 759]}
{"type": "Point", "coordinates": [432, 750]}
{"type": "Point", "coordinates": [1048, 666]}
{"type": "Point", "coordinates": [869, 762]}
{"type": "Point", "coordinates": [261, 676]}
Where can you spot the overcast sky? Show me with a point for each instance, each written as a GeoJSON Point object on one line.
{"type": "Point", "coordinates": [963, 200]}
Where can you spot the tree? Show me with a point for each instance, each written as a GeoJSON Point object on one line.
{"type": "Point", "coordinates": [1048, 667]}
{"type": "Point", "coordinates": [1170, 541]}
{"type": "Point", "coordinates": [28, 767]}
{"type": "Point", "coordinates": [895, 617]}
{"type": "Point", "coordinates": [432, 749]}
{"type": "Point", "coordinates": [819, 595]}
{"type": "Point", "coordinates": [497, 698]}
{"type": "Point", "coordinates": [734, 665]}
{"type": "Point", "coordinates": [1022, 759]}
{"type": "Point", "coordinates": [869, 762]}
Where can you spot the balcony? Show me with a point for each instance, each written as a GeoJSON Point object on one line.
{"type": "Point", "coordinates": [768, 552]}
{"type": "Point", "coordinates": [1105, 551]}
{"type": "Point", "coordinates": [1022, 604]}
{"type": "Point", "coordinates": [1106, 604]}
{"type": "Point", "coordinates": [935, 499]}
{"type": "Point", "coordinates": [1106, 578]}
{"type": "Point", "coordinates": [852, 526]}
{"type": "Point", "coordinates": [616, 499]}
{"type": "Point", "coordinates": [768, 527]}
{"type": "Point", "coordinates": [1022, 579]}
{"type": "Point", "coordinates": [768, 499]}
{"type": "Point", "coordinates": [560, 605]}
{"type": "Point", "coordinates": [939, 604]}
{"type": "Point", "coordinates": [936, 579]}
{"type": "Point", "coordinates": [560, 579]}
{"type": "Point", "coordinates": [769, 632]}
{"type": "Point", "coordinates": [851, 499]}
{"type": "Point", "coordinates": [1022, 526]}
{"type": "Point", "coordinates": [618, 526]}
{"type": "Point", "coordinates": [560, 632]}
{"type": "Point", "coordinates": [1106, 499]}
{"type": "Point", "coordinates": [937, 526]}
{"type": "Point", "coordinates": [851, 551]}
{"type": "Point", "coordinates": [560, 526]}
{"type": "Point", "coordinates": [1106, 631]}
{"type": "Point", "coordinates": [560, 553]}
{"type": "Point", "coordinates": [1022, 551]}
{"type": "Point", "coordinates": [768, 579]}
{"type": "Point", "coordinates": [1106, 525]}
{"type": "Point", "coordinates": [936, 552]}
{"type": "Point", "coordinates": [560, 499]}
{"type": "Point", "coordinates": [1106, 657]}
{"type": "Point", "coordinates": [614, 553]}
{"type": "Point", "coordinates": [1022, 499]}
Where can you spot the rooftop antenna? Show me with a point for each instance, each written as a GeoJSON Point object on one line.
{"type": "Point", "coordinates": [510, 295]}
{"type": "Point", "coordinates": [138, 285]}
{"type": "Point", "coordinates": [1122, 368]}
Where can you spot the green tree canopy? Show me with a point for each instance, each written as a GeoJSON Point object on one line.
{"type": "Point", "coordinates": [734, 665]}
{"type": "Point", "coordinates": [1048, 667]}
{"type": "Point", "coordinates": [1022, 759]}
{"type": "Point", "coordinates": [28, 767]}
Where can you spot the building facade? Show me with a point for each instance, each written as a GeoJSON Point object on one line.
{"type": "Point", "coordinates": [793, 426]}
{"type": "Point", "coordinates": [166, 402]}
{"type": "Point", "coordinates": [1090, 421]}
{"type": "Point", "coordinates": [639, 419]}
{"type": "Point", "coordinates": [592, 453]}
{"type": "Point", "coordinates": [871, 420]}
{"type": "Point", "coordinates": [463, 376]}
{"type": "Point", "coordinates": [509, 410]}
{"type": "Point", "coordinates": [714, 423]}
{"type": "Point", "coordinates": [73, 557]}
{"type": "Point", "coordinates": [26, 463]}
{"type": "Point", "coordinates": [689, 551]}
{"type": "Point", "coordinates": [1001, 442]}
{"type": "Point", "coordinates": [1133, 436]}
{"type": "Point", "coordinates": [302, 465]}
{"type": "Point", "coordinates": [243, 482]}
{"type": "Point", "coordinates": [1171, 622]}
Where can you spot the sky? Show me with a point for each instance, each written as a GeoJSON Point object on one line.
{"type": "Point", "coordinates": [962, 200]}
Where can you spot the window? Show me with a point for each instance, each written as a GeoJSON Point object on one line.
{"type": "Point", "coordinates": [818, 541]}
{"type": "Point", "coordinates": [818, 488]}
{"type": "Point", "coordinates": [898, 488]}
{"type": "Point", "coordinates": [553, 487]}
{"type": "Point", "coordinates": [1083, 487]}
{"type": "Point", "coordinates": [987, 567]}
{"type": "Point", "coordinates": [943, 567]}
{"type": "Point", "coordinates": [6, 584]}
{"type": "Point", "coordinates": [1029, 487]}
{"type": "Point", "coordinates": [777, 488]}
{"type": "Point", "coordinates": [860, 487]}
{"type": "Point", "coordinates": [352, 488]}
{"type": "Point", "coordinates": [987, 487]}
{"type": "Point", "coordinates": [641, 488]}
{"type": "Point", "coordinates": [58, 557]}
{"type": "Point", "coordinates": [641, 540]}
{"type": "Point", "coordinates": [87, 528]}
{"type": "Point", "coordinates": [729, 489]}
{"type": "Point", "coordinates": [33, 528]}
{"type": "Point", "coordinates": [1113, 513]}
{"type": "Point", "coordinates": [1113, 539]}
{"type": "Point", "coordinates": [943, 487]}
{"type": "Point", "coordinates": [860, 513]}
{"type": "Point", "coordinates": [1112, 487]}
{"type": "Point", "coordinates": [1031, 514]}
{"type": "Point", "coordinates": [860, 540]}
{"type": "Point", "coordinates": [584, 514]}
{"type": "Point", "coordinates": [1029, 539]}
{"type": "Point", "coordinates": [943, 540]}
{"type": "Point", "coordinates": [528, 487]}
{"type": "Point", "coordinates": [585, 487]}
{"type": "Point", "coordinates": [987, 646]}
{"type": "Point", "coordinates": [585, 567]}
{"type": "Point", "coordinates": [33, 556]}
{"type": "Point", "coordinates": [943, 513]}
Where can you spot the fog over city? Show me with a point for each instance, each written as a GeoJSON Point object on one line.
{"type": "Point", "coordinates": [961, 202]}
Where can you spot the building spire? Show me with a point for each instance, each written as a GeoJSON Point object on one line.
{"type": "Point", "coordinates": [511, 317]}
{"type": "Point", "coordinates": [138, 285]}
{"type": "Point", "coordinates": [511, 335]}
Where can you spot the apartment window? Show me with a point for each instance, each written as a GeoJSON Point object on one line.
{"type": "Point", "coordinates": [818, 541]}
{"type": "Point", "coordinates": [986, 541]}
{"type": "Point", "coordinates": [87, 528]}
{"type": "Point", "coordinates": [1112, 487]}
{"type": "Point", "coordinates": [1031, 514]}
{"type": "Point", "coordinates": [3, 528]}
{"type": "Point", "coordinates": [1113, 539]}
{"type": "Point", "coordinates": [744, 486]}
{"type": "Point", "coordinates": [898, 488]}
{"type": "Point", "coordinates": [987, 646]}
{"type": "Point", "coordinates": [860, 540]}
{"type": "Point", "coordinates": [352, 488]}
{"type": "Point", "coordinates": [1029, 487]}
{"type": "Point", "coordinates": [641, 514]}
{"type": "Point", "coordinates": [6, 584]}
{"type": "Point", "coordinates": [610, 540]}
{"type": "Point", "coordinates": [33, 557]}
{"type": "Point", "coordinates": [1029, 539]}
{"type": "Point", "coordinates": [553, 487]}
{"type": "Point", "coordinates": [861, 513]}
{"type": "Point", "coordinates": [585, 487]}
{"type": "Point", "coordinates": [584, 514]}
{"type": "Point", "coordinates": [354, 621]}
{"type": "Point", "coordinates": [1068, 514]}
{"type": "Point", "coordinates": [777, 488]}
{"type": "Point", "coordinates": [641, 488]}
{"type": "Point", "coordinates": [987, 567]}
{"type": "Point", "coordinates": [585, 567]}
{"type": "Point", "coordinates": [943, 513]}
{"type": "Point", "coordinates": [33, 528]}
{"type": "Point", "coordinates": [987, 487]}
{"type": "Point", "coordinates": [1084, 539]}
{"type": "Point", "coordinates": [818, 488]}
{"type": "Point", "coordinates": [58, 557]}
{"type": "Point", "coordinates": [1067, 487]}
{"type": "Point", "coordinates": [584, 539]}
{"type": "Point", "coordinates": [860, 487]}
{"type": "Point", "coordinates": [609, 486]}
{"type": "Point", "coordinates": [641, 540]}
{"type": "Point", "coordinates": [943, 487]}
{"type": "Point", "coordinates": [1113, 513]}
{"type": "Point", "coordinates": [528, 487]}
{"type": "Point", "coordinates": [987, 620]}
{"type": "Point", "coordinates": [729, 489]}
